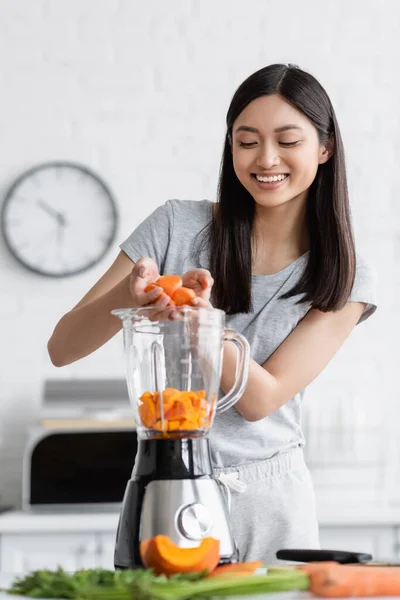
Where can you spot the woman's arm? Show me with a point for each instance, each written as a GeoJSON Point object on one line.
{"type": "Point", "coordinates": [90, 324]}
{"type": "Point", "coordinates": [295, 364]}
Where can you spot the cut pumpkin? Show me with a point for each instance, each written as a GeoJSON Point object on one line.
{"type": "Point", "coordinates": [163, 556]}
{"type": "Point", "coordinates": [172, 287]}
{"type": "Point", "coordinates": [170, 284]}
{"type": "Point", "coordinates": [182, 411]}
{"type": "Point", "coordinates": [183, 295]}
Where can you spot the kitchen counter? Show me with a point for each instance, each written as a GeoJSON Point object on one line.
{"type": "Point", "coordinates": [14, 521]}
{"type": "Point", "coordinates": [26, 522]}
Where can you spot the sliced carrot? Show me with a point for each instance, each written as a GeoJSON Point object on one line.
{"type": "Point", "coordinates": [242, 568]}
{"type": "Point", "coordinates": [183, 296]}
{"type": "Point", "coordinates": [147, 413]}
{"type": "Point", "coordinates": [168, 393]}
{"type": "Point", "coordinates": [179, 409]}
{"type": "Point", "coordinates": [199, 403]}
{"type": "Point", "coordinates": [183, 410]}
{"type": "Point", "coordinates": [170, 284]}
{"type": "Point", "coordinates": [186, 424]}
{"type": "Point", "coordinates": [152, 286]}
{"type": "Point", "coordinates": [158, 425]}
{"type": "Point", "coordinates": [332, 580]}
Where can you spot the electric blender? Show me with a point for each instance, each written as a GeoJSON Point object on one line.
{"type": "Point", "coordinates": [173, 370]}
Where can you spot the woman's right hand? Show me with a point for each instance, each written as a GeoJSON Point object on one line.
{"type": "Point", "coordinates": [144, 272]}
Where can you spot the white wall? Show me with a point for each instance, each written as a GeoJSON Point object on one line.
{"type": "Point", "coordinates": [138, 92]}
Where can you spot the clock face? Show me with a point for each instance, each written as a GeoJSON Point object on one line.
{"type": "Point", "coordinates": [59, 219]}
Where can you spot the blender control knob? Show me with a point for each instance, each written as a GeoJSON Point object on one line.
{"type": "Point", "coordinates": [194, 521]}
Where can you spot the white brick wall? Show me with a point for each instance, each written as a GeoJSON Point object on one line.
{"type": "Point", "coordinates": [136, 89]}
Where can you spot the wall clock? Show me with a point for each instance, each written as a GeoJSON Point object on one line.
{"type": "Point", "coordinates": [59, 219]}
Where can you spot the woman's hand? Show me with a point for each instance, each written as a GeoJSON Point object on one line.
{"type": "Point", "coordinates": [144, 272]}
{"type": "Point", "coordinates": [201, 282]}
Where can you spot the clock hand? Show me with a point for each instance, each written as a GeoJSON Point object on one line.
{"type": "Point", "coordinates": [60, 234]}
{"type": "Point", "coordinates": [52, 212]}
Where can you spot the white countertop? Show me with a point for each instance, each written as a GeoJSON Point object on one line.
{"type": "Point", "coordinates": [14, 521]}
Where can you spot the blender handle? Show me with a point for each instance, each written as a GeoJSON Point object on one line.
{"type": "Point", "coordinates": [242, 370]}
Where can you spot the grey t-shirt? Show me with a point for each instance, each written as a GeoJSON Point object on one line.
{"type": "Point", "coordinates": [168, 236]}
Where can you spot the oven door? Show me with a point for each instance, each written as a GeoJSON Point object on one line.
{"type": "Point", "coordinates": [75, 469]}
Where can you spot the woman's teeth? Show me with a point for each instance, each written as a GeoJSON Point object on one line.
{"type": "Point", "coordinates": [271, 179]}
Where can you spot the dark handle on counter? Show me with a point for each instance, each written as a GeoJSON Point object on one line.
{"type": "Point", "coordinates": [339, 556]}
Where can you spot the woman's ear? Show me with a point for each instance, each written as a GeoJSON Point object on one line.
{"type": "Point", "coordinates": [326, 151]}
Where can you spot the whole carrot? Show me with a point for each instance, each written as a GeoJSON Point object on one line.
{"type": "Point", "coordinates": [332, 580]}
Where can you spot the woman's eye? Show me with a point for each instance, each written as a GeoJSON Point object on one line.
{"type": "Point", "coordinates": [289, 144]}
{"type": "Point", "coordinates": [247, 144]}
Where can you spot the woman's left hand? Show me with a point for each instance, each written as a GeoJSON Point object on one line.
{"type": "Point", "coordinates": [201, 282]}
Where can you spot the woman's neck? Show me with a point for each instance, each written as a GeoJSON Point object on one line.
{"type": "Point", "coordinates": [279, 235]}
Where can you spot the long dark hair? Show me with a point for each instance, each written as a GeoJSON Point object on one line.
{"type": "Point", "coordinates": [330, 271]}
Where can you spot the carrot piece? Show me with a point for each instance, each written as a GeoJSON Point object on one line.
{"type": "Point", "coordinates": [168, 393]}
{"type": "Point", "coordinates": [147, 409]}
{"type": "Point", "coordinates": [183, 296]}
{"type": "Point", "coordinates": [316, 566]}
{"type": "Point", "coordinates": [332, 580]}
{"type": "Point", "coordinates": [168, 396]}
{"type": "Point", "coordinates": [199, 403]}
{"type": "Point", "coordinates": [180, 407]}
{"type": "Point", "coordinates": [158, 425]}
{"type": "Point", "coordinates": [186, 424]}
{"type": "Point", "coordinates": [152, 286]}
{"type": "Point", "coordinates": [169, 283]}
{"type": "Point", "coordinates": [147, 413]}
{"type": "Point", "coordinates": [243, 568]}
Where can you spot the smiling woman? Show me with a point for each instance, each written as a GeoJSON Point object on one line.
{"type": "Point", "coordinates": [277, 255]}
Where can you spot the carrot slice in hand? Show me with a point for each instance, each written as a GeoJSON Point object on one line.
{"type": "Point", "coordinates": [172, 286]}
{"type": "Point", "coordinates": [169, 283]}
{"type": "Point", "coordinates": [183, 296]}
{"type": "Point", "coordinates": [152, 286]}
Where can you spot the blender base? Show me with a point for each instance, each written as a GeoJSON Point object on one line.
{"type": "Point", "coordinates": [172, 492]}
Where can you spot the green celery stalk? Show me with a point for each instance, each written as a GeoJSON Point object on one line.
{"type": "Point", "coordinates": [238, 586]}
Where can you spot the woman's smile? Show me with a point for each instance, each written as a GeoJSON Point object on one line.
{"type": "Point", "coordinates": [271, 181]}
